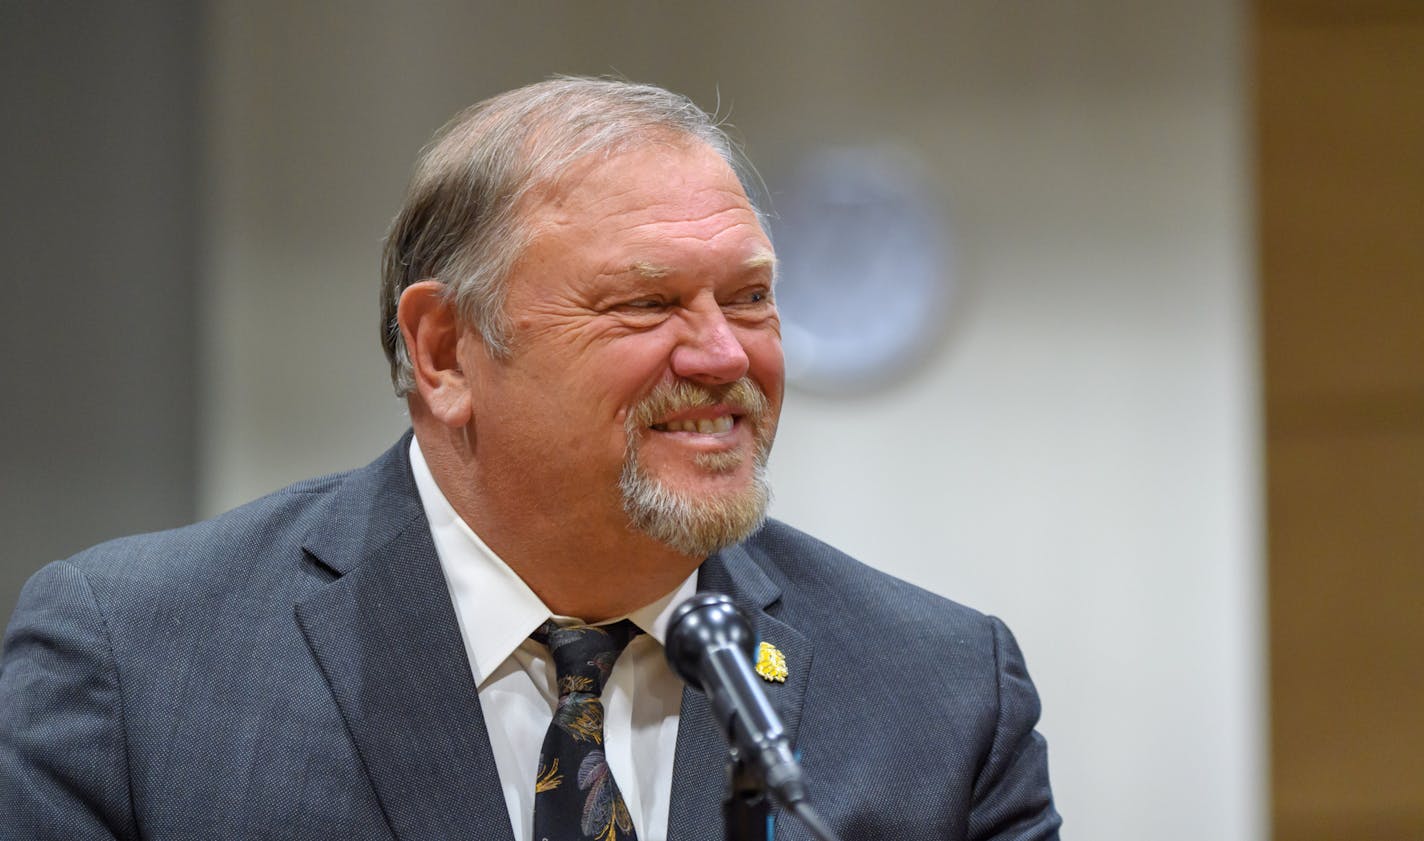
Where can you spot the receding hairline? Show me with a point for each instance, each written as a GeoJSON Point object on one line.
{"type": "Point", "coordinates": [557, 182]}
{"type": "Point", "coordinates": [554, 186]}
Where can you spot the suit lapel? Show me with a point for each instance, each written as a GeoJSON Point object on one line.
{"type": "Point", "coordinates": [385, 636]}
{"type": "Point", "coordinates": [699, 769]}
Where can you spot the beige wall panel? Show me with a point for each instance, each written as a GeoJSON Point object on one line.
{"type": "Point", "coordinates": [1342, 194]}
{"type": "Point", "coordinates": [1347, 641]}
{"type": "Point", "coordinates": [1341, 181]}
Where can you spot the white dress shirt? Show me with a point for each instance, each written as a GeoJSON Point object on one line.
{"type": "Point", "coordinates": [515, 677]}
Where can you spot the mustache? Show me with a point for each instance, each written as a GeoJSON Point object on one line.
{"type": "Point", "coordinates": [743, 396]}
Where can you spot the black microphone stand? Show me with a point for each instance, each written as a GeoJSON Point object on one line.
{"type": "Point", "coordinates": [746, 808]}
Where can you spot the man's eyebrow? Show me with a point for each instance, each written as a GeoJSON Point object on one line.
{"type": "Point", "coordinates": [759, 260]}
{"type": "Point", "coordinates": [651, 270]}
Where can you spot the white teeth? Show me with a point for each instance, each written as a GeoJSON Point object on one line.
{"type": "Point", "coordinates": [705, 426]}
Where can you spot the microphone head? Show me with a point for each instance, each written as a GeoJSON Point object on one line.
{"type": "Point", "coordinates": [706, 622]}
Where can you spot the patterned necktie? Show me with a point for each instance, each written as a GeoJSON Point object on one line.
{"type": "Point", "coordinates": [575, 797]}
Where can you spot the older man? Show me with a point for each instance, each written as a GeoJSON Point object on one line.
{"type": "Point", "coordinates": [464, 638]}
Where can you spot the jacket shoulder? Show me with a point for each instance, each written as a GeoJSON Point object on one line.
{"type": "Point", "coordinates": [222, 544]}
{"type": "Point", "coordinates": [811, 571]}
{"type": "Point", "coordinates": [878, 624]}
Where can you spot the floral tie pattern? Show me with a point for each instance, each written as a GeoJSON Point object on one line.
{"type": "Point", "coordinates": [575, 797]}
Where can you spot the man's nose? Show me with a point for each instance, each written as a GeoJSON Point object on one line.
{"type": "Point", "coordinates": [710, 352]}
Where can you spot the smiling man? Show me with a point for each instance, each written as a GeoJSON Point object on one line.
{"type": "Point", "coordinates": [464, 638]}
{"type": "Point", "coordinates": [639, 377]}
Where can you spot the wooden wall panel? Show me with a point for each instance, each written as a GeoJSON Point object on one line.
{"type": "Point", "coordinates": [1340, 119]}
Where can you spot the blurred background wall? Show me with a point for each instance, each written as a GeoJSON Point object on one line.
{"type": "Point", "coordinates": [198, 194]}
{"type": "Point", "coordinates": [99, 159]}
{"type": "Point", "coordinates": [1080, 457]}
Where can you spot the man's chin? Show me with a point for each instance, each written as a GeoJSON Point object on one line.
{"type": "Point", "coordinates": [705, 474]}
{"type": "Point", "coordinates": [697, 514]}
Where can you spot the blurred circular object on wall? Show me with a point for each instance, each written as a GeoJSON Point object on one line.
{"type": "Point", "coordinates": [865, 284]}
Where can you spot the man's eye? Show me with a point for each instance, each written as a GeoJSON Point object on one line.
{"type": "Point", "coordinates": [751, 296]}
{"type": "Point", "coordinates": [640, 306]}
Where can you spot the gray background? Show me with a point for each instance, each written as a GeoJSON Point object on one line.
{"type": "Point", "coordinates": [100, 236]}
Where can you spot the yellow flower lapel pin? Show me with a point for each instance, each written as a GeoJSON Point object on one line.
{"type": "Point", "coordinates": [771, 663]}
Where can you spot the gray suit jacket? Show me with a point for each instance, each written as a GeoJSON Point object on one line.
{"type": "Point", "coordinates": [292, 669]}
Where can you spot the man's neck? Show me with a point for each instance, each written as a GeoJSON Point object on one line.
{"type": "Point", "coordinates": [593, 570]}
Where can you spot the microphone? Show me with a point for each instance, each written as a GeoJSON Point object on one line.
{"type": "Point", "coordinates": [709, 645]}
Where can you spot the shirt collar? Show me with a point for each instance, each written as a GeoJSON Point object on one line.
{"type": "Point", "coordinates": [495, 608]}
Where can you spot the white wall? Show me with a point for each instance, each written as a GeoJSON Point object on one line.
{"type": "Point", "coordinates": [1080, 458]}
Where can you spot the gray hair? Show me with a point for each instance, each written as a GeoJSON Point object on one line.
{"type": "Point", "coordinates": [462, 223]}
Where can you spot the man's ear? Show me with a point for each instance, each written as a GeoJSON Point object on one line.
{"type": "Point", "coordinates": [431, 327]}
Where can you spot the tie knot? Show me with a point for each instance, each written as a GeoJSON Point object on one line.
{"type": "Point", "coordinates": [584, 654]}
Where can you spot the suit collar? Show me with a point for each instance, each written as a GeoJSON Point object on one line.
{"type": "Point", "coordinates": [385, 636]}
{"type": "Point", "coordinates": [371, 507]}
